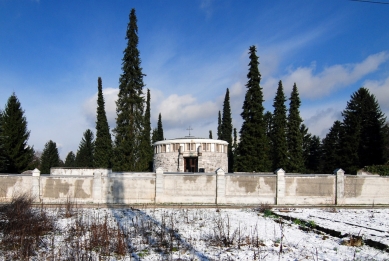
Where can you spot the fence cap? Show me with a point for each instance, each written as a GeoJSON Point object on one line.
{"type": "Point", "coordinates": [220, 171]}
{"type": "Point", "coordinates": [280, 170]}
{"type": "Point", "coordinates": [36, 172]}
{"type": "Point", "coordinates": [339, 171]}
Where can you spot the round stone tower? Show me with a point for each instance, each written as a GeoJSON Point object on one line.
{"type": "Point", "coordinates": [191, 154]}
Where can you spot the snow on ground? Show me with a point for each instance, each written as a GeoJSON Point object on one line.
{"type": "Point", "coordinates": [370, 223]}
{"type": "Point", "coordinates": [211, 234]}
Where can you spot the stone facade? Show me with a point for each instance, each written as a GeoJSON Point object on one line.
{"type": "Point", "coordinates": [191, 155]}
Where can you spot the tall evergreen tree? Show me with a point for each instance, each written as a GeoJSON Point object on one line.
{"type": "Point", "coordinates": [313, 162]}
{"type": "Point", "coordinates": [278, 131]}
{"type": "Point", "coordinates": [210, 134]}
{"type": "Point", "coordinates": [3, 159]}
{"type": "Point", "coordinates": [331, 149]}
{"type": "Point", "coordinates": [130, 105]}
{"type": "Point", "coordinates": [226, 129]}
{"type": "Point", "coordinates": [253, 148]}
{"type": "Point", "coordinates": [50, 157]}
{"type": "Point", "coordinates": [363, 122]}
{"type": "Point", "coordinates": [306, 142]}
{"type": "Point", "coordinates": [219, 126]}
{"type": "Point", "coordinates": [14, 130]}
{"type": "Point", "coordinates": [147, 149]}
{"type": "Point", "coordinates": [146, 153]}
{"type": "Point", "coordinates": [70, 160]}
{"type": "Point", "coordinates": [294, 136]}
{"type": "Point", "coordinates": [154, 135]}
{"type": "Point", "coordinates": [160, 129]}
{"type": "Point", "coordinates": [103, 143]}
{"type": "Point", "coordinates": [386, 143]}
{"type": "Point", "coordinates": [234, 151]}
{"type": "Point", "coordinates": [84, 157]}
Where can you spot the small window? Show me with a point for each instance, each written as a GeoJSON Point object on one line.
{"type": "Point", "coordinates": [163, 148]}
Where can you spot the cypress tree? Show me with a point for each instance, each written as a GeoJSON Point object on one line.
{"type": "Point", "coordinates": [154, 135]}
{"type": "Point", "coordinates": [253, 148]}
{"type": "Point", "coordinates": [313, 163]}
{"type": "Point", "coordinates": [84, 157]}
{"type": "Point", "coordinates": [226, 129]}
{"type": "Point", "coordinates": [147, 149]}
{"type": "Point", "coordinates": [130, 105]}
{"type": "Point", "coordinates": [103, 143]}
{"type": "Point", "coordinates": [14, 130]}
{"type": "Point", "coordinates": [210, 134]}
{"type": "Point", "coordinates": [234, 151]}
{"type": "Point", "coordinates": [3, 159]}
{"type": "Point", "coordinates": [331, 149]}
{"type": "Point", "coordinates": [385, 134]}
{"type": "Point", "coordinates": [160, 129]}
{"type": "Point", "coordinates": [294, 136]}
{"type": "Point", "coordinates": [70, 160]}
{"type": "Point", "coordinates": [50, 157]}
{"type": "Point", "coordinates": [278, 131]}
{"type": "Point", "coordinates": [219, 126]}
{"type": "Point", "coordinates": [363, 122]}
{"type": "Point", "coordinates": [306, 138]}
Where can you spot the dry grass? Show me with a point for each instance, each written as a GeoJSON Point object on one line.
{"type": "Point", "coordinates": [23, 227]}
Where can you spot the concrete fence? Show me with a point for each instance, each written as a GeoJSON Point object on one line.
{"type": "Point", "coordinates": [102, 186]}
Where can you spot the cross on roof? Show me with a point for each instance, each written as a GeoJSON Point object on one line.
{"type": "Point", "coordinates": [189, 129]}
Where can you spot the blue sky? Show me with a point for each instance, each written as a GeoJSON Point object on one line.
{"type": "Point", "coordinates": [52, 52]}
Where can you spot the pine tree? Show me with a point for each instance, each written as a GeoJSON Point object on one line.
{"type": "Point", "coordinates": [14, 127]}
{"type": "Point", "coordinates": [253, 148]}
{"type": "Point", "coordinates": [385, 133]}
{"type": "Point", "coordinates": [219, 126]}
{"type": "Point", "coordinates": [226, 129]}
{"type": "Point", "coordinates": [278, 131]}
{"type": "Point", "coordinates": [3, 158]}
{"type": "Point", "coordinates": [268, 118]}
{"type": "Point", "coordinates": [234, 151]}
{"type": "Point", "coordinates": [331, 149]}
{"type": "Point", "coordinates": [50, 157]}
{"type": "Point", "coordinates": [147, 149]}
{"type": "Point", "coordinates": [306, 138]}
{"type": "Point", "coordinates": [160, 129]}
{"type": "Point", "coordinates": [154, 135]}
{"type": "Point", "coordinates": [130, 105]}
{"type": "Point", "coordinates": [313, 163]}
{"type": "Point", "coordinates": [70, 160]}
{"type": "Point", "coordinates": [84, 157]}
{"type": "Point", "coordinates": [294, 136]}
{"type": "Point", "coordinates": [103, 143]}
{"type": "Point", "coordinates": [210, 134]}
{"type": "Point", "coordinates": [363, 123]}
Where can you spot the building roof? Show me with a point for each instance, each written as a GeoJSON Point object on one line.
{"type": "Point", "coordinates": [190, 139]}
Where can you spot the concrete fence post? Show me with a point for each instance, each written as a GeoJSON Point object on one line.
{"type": "Point", "coordinates": [339, 189]}
{"type": "Point", "coordinates": [280, 194]}
{"type": "Point", "coordinates": [158, 185]}
{"type": "Point", "coordinates": [35, 189]}
{"type": "Point", "coordinates": [97, 188]}
{"type": "Point", "coordinates": [220, 186]}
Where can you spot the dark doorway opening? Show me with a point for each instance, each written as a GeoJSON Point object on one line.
{"type": "Point", "coordinates": [191, 164]}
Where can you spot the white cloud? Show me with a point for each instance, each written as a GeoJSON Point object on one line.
{"type": "Point", "coordinates": [110, 97]}
{"type": "Point", "coordinates": [185, 110]}
{"type": "Point", "coordinates": [313, 85]}
{"type": "Point", "coordinates": [380, 89]}
{"type": "Point", "coordinates": [319, 120]}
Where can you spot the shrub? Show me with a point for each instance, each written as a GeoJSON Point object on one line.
{"type": "Point", "coordinates": [382, 170]}
{"type": "Point", "coordinates": [23, 227]}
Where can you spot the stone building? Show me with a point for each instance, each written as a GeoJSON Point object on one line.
{"type": "Point", "coordinates": [191, 154]}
